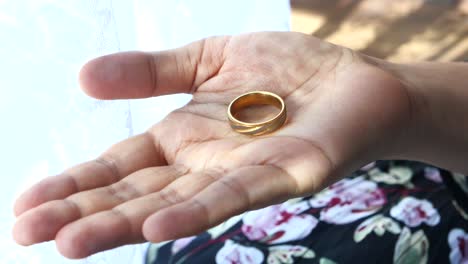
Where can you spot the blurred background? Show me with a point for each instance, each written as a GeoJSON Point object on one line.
{"type": "Point", "coordinates": [397, 30]}
{"type": "Point", "coordinates": [48, 124]}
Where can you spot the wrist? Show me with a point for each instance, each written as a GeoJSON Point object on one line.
{"type": "Point", "coordinates": [438, 130]}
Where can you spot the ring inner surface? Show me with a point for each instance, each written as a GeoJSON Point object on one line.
{"type": "Point", "coordinates": [255, 108]}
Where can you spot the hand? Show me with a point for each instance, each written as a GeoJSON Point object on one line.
{"type": "Point", "coordinates": [191, 171]}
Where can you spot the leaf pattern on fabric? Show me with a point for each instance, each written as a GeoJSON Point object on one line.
{"type": "Point", "coordinates": [152, 251]}
{"type": "Point", "coordinates": [326, 261]}
{"type": "Point", "coordinates": [349, 200]}
{"type": "Point", "coordinates": [396, 175]}
{"type": "Point", "coordinates": [413, 212]}
{"type": "Point", "coordinates": [462, 181]}
{"type": "Point", "coordinates": [378, 224]}
{"type": "Point", "coordinates": [369, 166]}
{"type": "Point", "coordinates": [220, 229]}
{"type": "Point", "coordinates": [233, 253]}
{"type": "Point", "coordinates": [411, 248]}
{"type": "Point", "coordinates": [458, 242]}
{"type": "Point", "coordinates": [460, 210]}
{"type": "Point", "coordinates": [279, 223]}
{"type": "Point", "coordinates": [285, 254]}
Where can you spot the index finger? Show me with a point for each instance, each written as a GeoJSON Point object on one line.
{"type": "Point", "coordinates": [120, 160]}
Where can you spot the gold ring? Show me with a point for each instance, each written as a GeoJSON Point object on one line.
{"type": "Point", "coordinates": [256, 98]}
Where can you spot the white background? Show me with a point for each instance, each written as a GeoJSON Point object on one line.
{"type": "Point", "coordinates": [48, 124]}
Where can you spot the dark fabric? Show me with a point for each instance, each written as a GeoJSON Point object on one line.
{"type": "Point", "coordinates": [387, 212]}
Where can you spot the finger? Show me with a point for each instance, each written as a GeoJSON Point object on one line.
{"type": "Point", "coordinates": [140, 74]}
{"type": "Point", "coordinates": [122, 224]}
{"type": "Point", "coordinates": [43, 222]}
{"type": "Point", "coordinates": [244, 189]}
{"type": "Point", "coordinates": [120, 160]}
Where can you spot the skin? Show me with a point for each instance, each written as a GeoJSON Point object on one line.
{"type": "Point", "coordinates": [191, 171]}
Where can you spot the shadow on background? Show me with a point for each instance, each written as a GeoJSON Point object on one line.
{"type": "Point", "coordinates": [402, 30]}
{"type": "Point", "coordinates": [441, 17]}
{"type": "Point", "coordinates": [452, 45]}
{"type": "Point", "coordinates": [335, 12]}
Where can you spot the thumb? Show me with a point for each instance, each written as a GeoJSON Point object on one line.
{"type": "Point", "coordinates": [140, 74]}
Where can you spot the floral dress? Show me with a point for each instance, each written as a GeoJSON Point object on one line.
{"type": "Point", "coordinates": [386, 212]}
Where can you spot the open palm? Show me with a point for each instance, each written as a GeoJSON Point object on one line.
{"type": "Point", "coordinates": [191, 171]}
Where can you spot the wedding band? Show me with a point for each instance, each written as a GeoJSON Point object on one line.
{"type": "Point", "coordinates": [256, 98]}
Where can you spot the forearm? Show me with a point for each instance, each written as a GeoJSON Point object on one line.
{"type": "Point", "coordinates": [438, 131]}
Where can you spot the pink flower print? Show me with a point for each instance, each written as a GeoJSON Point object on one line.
{"type": "Point", "coordinates": [414, 212]}
{"type": "Point", "coordinates": [179, 244]}
{"type": "Point", "coordinates": [433, 174]}
{"type": "Point", "coordinates": [233, 253]}
{"type": "Point", "coordinates": [278, 223]}
{"type": "Point", "coordinates": [349, 200]}
{"type": "Point", "coordinates": [458, 242]}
